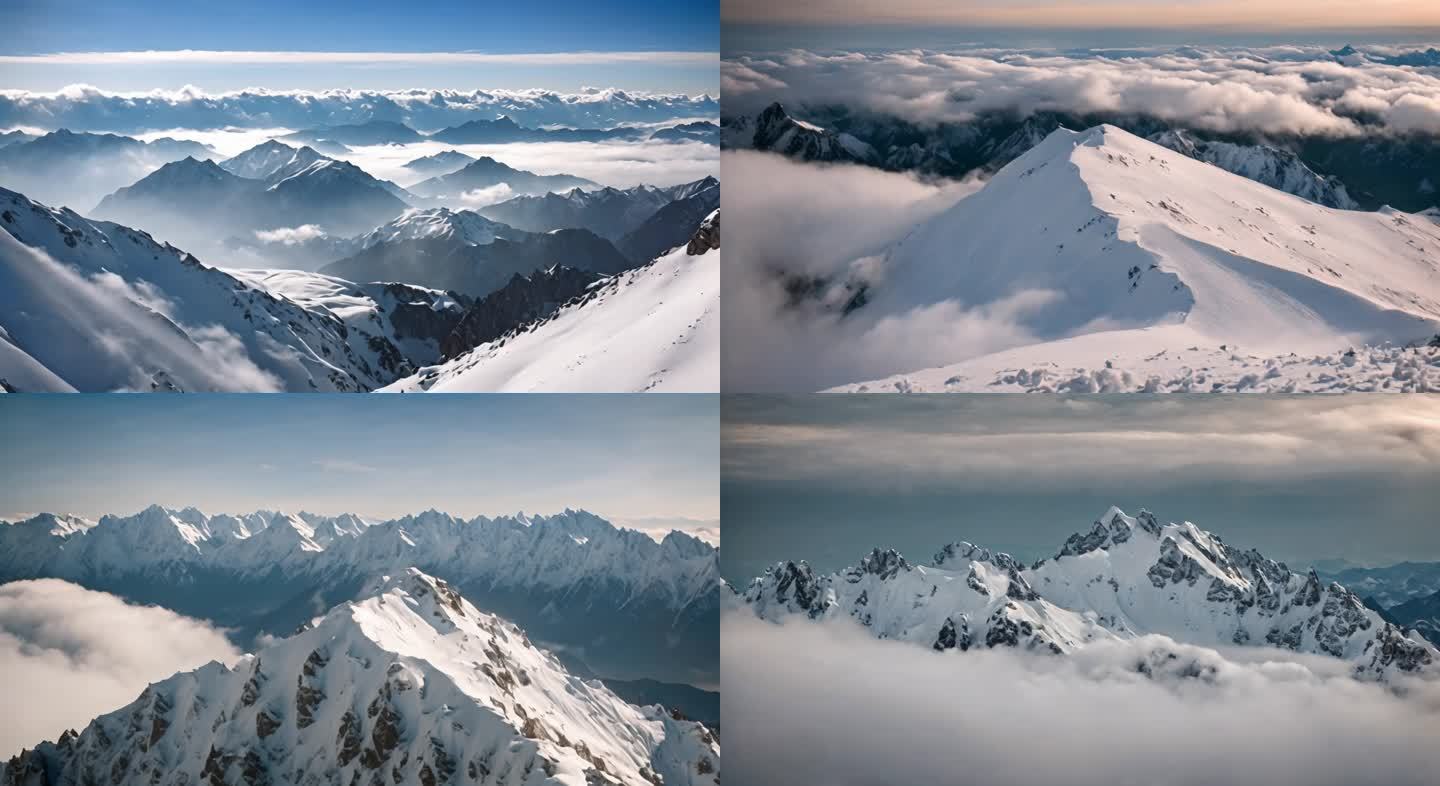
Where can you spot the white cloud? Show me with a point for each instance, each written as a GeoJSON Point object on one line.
{"type": "Point", "coordinates": [480, 197]}
{"type": "Point", "coordinates": [69, 654]}
{"type": "Point", "coordinates": [1289, 90]}
{"type": "Point", "coordinates": [236, 57]}
{"type": "Point", "coordinates": [290, 236]}
{"type": "Point", "coordinates": [808, 702]}
{"type": "Point", "coordinates": [345, 465]}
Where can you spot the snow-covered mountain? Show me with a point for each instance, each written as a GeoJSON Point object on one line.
{"type": "Point", "coordinates": [442, 163]}
{"type": "Point", "coordinates": [96, 306]}
{"type": "Point", "coordinates": [407, 683]}
{"type": "Point", "coordinates": [1125, 577]}
{"type": "Point", "coordinates": [270, 159]}
{"type": "Point", "coordinates": [655, 328]}
{"type": "Point", "coordinates": [572, 578]}
{"type": "Point", "coordinates": [1160, 272]}
{"type": "Point", "coordinates": [776, 131]}
{"type": "Point", "coordinates": [465, 227]}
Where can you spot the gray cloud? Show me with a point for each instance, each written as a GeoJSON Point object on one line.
{"type": "Point", "coordinates": [809, 702]}
{"type": "Point", "coordinates": [69, 654]}
{"type": "Point", "coordinates": [986, 443]}
{"type": "Point", "coordinates": [1280, 90]}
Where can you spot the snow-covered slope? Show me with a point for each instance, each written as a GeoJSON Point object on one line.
{"type": "Point", "coordinates": [1143, 254]}
{"type": "Point", "coordinates": [414, 320]}
{"type": "Point", "coordinates": [1124, 578]}
{"type": "Point", "coordinates": [655, 328]}
{"type": "Point", "coordinates": [409, 683]}
{"type": "Point", "coordinates": [572, 578]}
{"type": "Point", "coordinates": [1272, 166]}
{"type": "Point", "coordinates": [96, 306]}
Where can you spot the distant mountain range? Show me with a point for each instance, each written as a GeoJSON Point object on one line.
{"type": "Point", "coordinates": [628, 606]}
{"type": "Point", "coordinates": [66, 168]}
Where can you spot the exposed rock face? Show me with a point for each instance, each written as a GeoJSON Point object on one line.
{"type": "Point", "coordinates": [707, 237]}
{"type": "Point", "coordinates": [525, 299]}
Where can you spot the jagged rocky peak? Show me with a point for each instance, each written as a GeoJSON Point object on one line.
{"type": "Point", "coordinates": [1123, 577]}
{"type": "Point", "coordinates": [706, 237]}
{"type": "Point", "coordinates": [409, 683]}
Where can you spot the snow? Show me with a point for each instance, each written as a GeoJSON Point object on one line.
{"type": "Point", "coordinates": [653, 329]}
{"type": "Point", "coordinates": [1146, 253]}
{"type": "Point", "coordinates": [409, 679]}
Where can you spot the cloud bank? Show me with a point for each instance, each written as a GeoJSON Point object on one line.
{"type": "Point", "coordinates": [1275, 90]}
{"type": "Point", "coordinates": [88, 108]}
{"type": "Point", "coordinates": [69, 654]}
{"type": "Point", "coordinates": [825, 703]}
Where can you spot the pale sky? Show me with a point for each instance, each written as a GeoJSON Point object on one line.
{"type": "Point", "coordinates": [633, 459]}
{"type": "Point", "coordinates": [1280, 14]}
{"type": "Point", "coordinates": [826, 478]}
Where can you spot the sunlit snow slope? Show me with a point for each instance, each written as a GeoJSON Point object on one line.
{"type": "Point", "coordinates": [655, 328]}
{"type": "Point", "coordinates": [408, 684]}
{"type": "Point", "coordinates": [1143, 254]}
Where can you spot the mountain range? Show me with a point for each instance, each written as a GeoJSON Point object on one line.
{"type": "Point", "coordinates": [486, 172]}
{"type": "Point", "coordinates": [1163, 273]}
{"type": "Point", "coordinates": [406, 682]}
{"type": "Point", "coordinates": [1125, 577]}
{"type": "Point", "coordinates": [626, 605]}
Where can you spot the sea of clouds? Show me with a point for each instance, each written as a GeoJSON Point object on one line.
{"type": "Point", "coordinates": [808, 702]}
{"type": "Point", "coordinates": [1278, 90]}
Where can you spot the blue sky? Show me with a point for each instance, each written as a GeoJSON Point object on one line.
{"type": "Point", "coordinates": [43, 28]}
{"type": "Point", "coordinates": [625, 457]}
{"type": "Point", "coordinates": [827, 478]}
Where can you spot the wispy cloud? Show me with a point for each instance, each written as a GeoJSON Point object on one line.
{"type": "Point", "coordinates": [255, 57]}
{"type": "Point", "coordinates": [344, 465]}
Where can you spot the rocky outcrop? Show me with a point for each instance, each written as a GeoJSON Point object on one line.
{"type": "Point", "coordinates": [525, 299]}
{"type": "Point", "coordinates": [707, 237]}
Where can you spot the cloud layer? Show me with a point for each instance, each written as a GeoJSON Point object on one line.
{"type": "Point", "coordinates": [88, 108]}
{"type": "Point", "coordinates": [989, 443]}
{"type": "Point", "coordinates": [69, 654]}
{"type": "Point", "coordinates": [1276, 90]}
{"type": "Point", "coordinates": [825, 703]}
